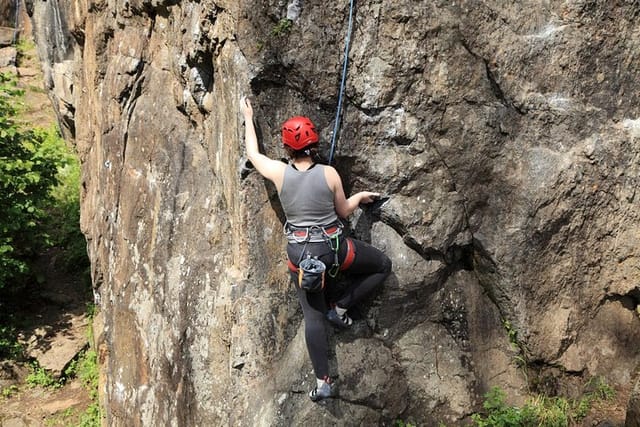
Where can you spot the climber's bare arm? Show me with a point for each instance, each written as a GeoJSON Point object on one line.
{"type": "Point", "coordinates": [271, 169]}
{"type": "Point", "coordinates": [344, 206]}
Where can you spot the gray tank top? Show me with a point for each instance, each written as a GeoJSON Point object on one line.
{"type": "Point", "coordinates": [306, 197]}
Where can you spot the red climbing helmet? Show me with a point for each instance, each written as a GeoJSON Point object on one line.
{"type": "Point", "coordinates": [299, 132]}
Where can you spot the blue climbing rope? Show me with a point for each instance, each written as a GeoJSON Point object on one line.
{"type": "Point", "coordinates": [342, 83]}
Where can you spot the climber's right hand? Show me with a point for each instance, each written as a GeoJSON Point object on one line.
{"type": "Point", "coordinates": [246, 108]}
{"type": "Point", "coordinates": [368, 196]}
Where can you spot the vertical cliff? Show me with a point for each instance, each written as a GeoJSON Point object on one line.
{"type": "Point", "coordinates": [505, 134]}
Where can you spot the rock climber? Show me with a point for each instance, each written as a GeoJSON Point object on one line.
{"type": "Point", "coordinates": [313, 200]}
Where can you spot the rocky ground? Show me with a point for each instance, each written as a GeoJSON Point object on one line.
{"type": "Point", "coordinates": [34, 407]}
{"type": "Point", "coordinates": [54, 318]}
{"type": "Point", "coordinates": [54, 330]}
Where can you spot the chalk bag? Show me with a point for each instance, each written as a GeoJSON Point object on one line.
{"type": "Point", "coordinates": [311, 274]}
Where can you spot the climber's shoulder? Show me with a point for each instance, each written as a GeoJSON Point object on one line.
{"type": "Point", "coordinates": [332, 177]}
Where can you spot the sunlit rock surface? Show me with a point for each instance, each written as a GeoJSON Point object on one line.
{"type": "Point", "coordinates": [505, 135]}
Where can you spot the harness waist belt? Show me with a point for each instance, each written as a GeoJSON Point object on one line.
{"type": "Point", "coordinates": [314, 233]}
{"type": "Point", "coordinates": [302, 233]}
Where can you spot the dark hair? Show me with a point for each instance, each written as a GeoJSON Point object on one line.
{"type": "Point", "coordinates": [309, 150]}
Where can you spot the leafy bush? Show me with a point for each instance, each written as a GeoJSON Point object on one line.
{"type": "Point", "coordinates": [63, 212]}
{"type": "Point", "coordinates": [29, 163]}
{"type": "Point", "coordinates": [87, 371]}
{"type": "Point", "coordinates": [9, 346]}
{"type": "Point", "coordinates": [540, 411]}
{"type": "Point", "coordinates": [92, 417]}
{"type": "Point", "coordinates": [41, 377]}
{"type": "Point", "coordinates": [40, 197]}
{"type": "Point", "coordinates": [282, 27]}
{"type": "Point", "coordinates": [9, 391]}
{"type": "Point", "coordinates": [39, 206]}
{"type": "Point", "coordinates": [85, 368]}
{"type": "Point", "coordinates": [501, 415]}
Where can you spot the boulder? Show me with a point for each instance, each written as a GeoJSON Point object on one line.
{"type": "Point", "coordinates": [8, 57]}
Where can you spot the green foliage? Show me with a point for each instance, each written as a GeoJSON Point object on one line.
{"type": "Point", "coordinates": [92, 417]}
{"type": "Point", "coordinates": [25, 47]}
{"type": "Point", "coordinates": [72, 369]}
{"type": "Point", "coordinates": [39, 208]}
{"type": "Point", "coordinates": [517, 346]}
{"type": "Point", "coordinates": [92, 309]}
{"type": "Point", "coordinates": [89, 374]}
{"type": "Point", "coordinates": [29, 162]}
{"type": "Point", "coordinates": [541, 411]}
{"type": "Point", "coordinates": [598, 389]}
{"type": "Point", "coordinates": [401, 423]}
{"type": "Point", "coordinates": [85, 368]}
{"type": "Point", "coordinates": [10, 348]}
{"type": "Point", "coordinates": [39, 192]}
{"type": "Point", "coordinates": [63, 213]}
{"type": "Point", "coordinates": [282, 27]}
{"type": "Point", "coordinates": [63, 418]}
{"type": "Point", "coordinates": [511, 333]}
{"type": "Point", "coordinates": [7, 392]}
{"type": "Point", "coordinates": [582, 407]}
{"type": "Point", "coordinates": [41, 377]}
{"type": "Point", "coordinates": [501, 415]}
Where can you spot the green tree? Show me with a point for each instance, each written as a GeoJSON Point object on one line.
{"type": "Point", "coordinates": [29, 164]}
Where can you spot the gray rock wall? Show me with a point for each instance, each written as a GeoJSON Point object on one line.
{"type": "Point", "coordinates": [8, 14]}
{"type": "Point", "coordinates": [505, 134]}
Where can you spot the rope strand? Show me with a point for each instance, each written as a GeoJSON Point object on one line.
{"type": "Point", "coordinates": [342, 82]}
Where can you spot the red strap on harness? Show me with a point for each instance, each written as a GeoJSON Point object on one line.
{"type": "Point", "coordinates": [305, 233]}
{"type": "Point", "coordinates": [351, 255]}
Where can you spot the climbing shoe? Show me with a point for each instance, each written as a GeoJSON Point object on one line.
{"type": "Point", "coordinates": [322, 392]}
{"type": "Point", "coordinates": [341, 320]}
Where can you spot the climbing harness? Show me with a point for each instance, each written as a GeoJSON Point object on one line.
{"type": "Point", "coordinates": [342, 82]}
{"type": "Point", "coordinates": [313, 234]}
{"type": "Point", "coordinates": [330, 234]}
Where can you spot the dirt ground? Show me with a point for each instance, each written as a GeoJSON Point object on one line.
{"type": "Point", "coordinates": [55, 325]}
{"type": "Point", "coordinates": [35, 407]}
{"type": "Point", "coordinates": [609, 413]}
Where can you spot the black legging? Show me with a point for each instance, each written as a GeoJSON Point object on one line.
{"type": "Point", "coordinates": [369, 269]}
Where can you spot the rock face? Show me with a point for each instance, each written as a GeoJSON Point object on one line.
{"type": "Point", "coordinates": [8, 14]}
{"type": "Point", "coordinates": [506, 136]}
{"type": "Point", "coordinates": [8, 21]}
